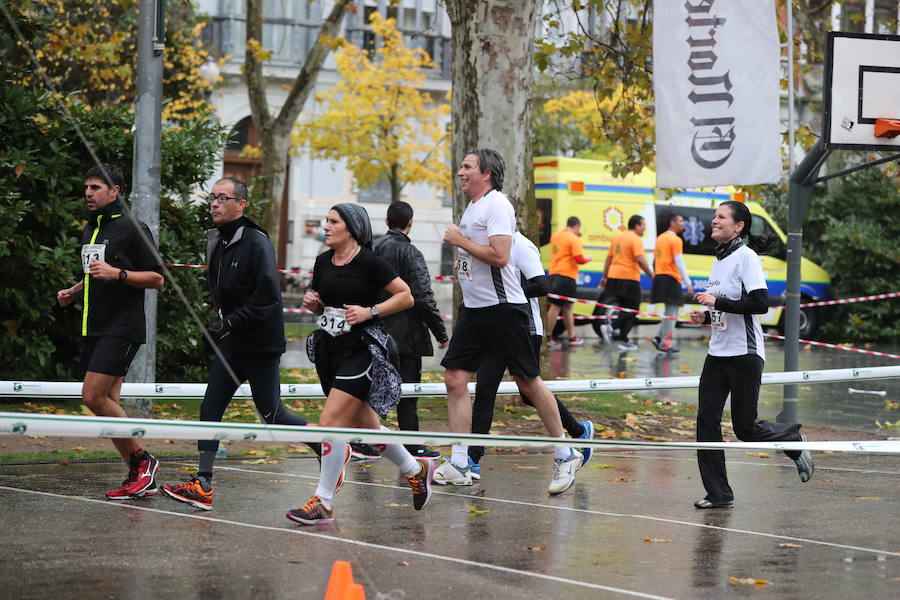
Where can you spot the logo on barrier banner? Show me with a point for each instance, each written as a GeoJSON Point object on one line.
{"type": "Point", "coordinates": [16, 428]}
{"type": "Point", "coordinates": [160, 389]}
{"type": "Point", "coordinates": [855, 372]}
{"type": "Point", "coordinates": [17, 387]}
{"type": "Point", "coordinates": [292, 389]}
{"type": "Point", "coordinates": [417, 387]}
{"type": "Point", "coordinates": [594, 385]}
{"type": "Point", "coordinates": [249, 436]}
{"type": "Point", "coordinates": [648, 383]}
{"type": "Point", "coordinates": [123, 433]}
{"type": "Point", "coordinates": [805, 375]}
{"type": "Point", "coordinates": [220, 436]}
{"type": "Point", "coordinates": [859, 446]}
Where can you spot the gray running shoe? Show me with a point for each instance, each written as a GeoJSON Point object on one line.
{"type": "Point", "coordinates": [805, 464]}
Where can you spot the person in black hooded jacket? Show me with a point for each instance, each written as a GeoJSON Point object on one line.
{"type": "Point", "coordinates": [410, 327]}
{"type": "Point", "coordinates": [119, 261]}
{"type": "Point", "coordinates": [249, 333]}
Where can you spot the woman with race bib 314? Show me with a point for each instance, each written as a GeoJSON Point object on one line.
{"type": "Point", "coordinates": [351, 351]}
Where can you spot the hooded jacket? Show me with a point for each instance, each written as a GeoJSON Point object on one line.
{"type": "Point", "coordinates": [409, 327]}
{"type": "Point", "coordinates": [244, 283]}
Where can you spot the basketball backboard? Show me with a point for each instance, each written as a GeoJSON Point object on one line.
{"type": "Point", "coordinates": [862, 84]}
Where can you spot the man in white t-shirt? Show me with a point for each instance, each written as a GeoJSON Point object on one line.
{"type": "Point", "coordinates": [494, 316]}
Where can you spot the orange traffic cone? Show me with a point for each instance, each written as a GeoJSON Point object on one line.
{"type": "Point", "coordinates": [355, 592]}
{"type": "Point", "coordinates": [341, 579]}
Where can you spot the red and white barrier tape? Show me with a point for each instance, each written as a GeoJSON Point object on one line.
{"type": "Point", "coordinates": [768, 335]}
{"type": "Point", "coordinates": [847, 300]}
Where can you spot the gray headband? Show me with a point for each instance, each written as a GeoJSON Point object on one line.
{"type": "Point", "coordinates": [357, 220]}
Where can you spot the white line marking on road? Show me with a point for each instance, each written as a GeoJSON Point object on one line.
{"type": "Point", "coordinates": [598, 512]}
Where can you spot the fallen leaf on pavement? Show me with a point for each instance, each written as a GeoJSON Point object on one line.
{"type": "Point", "coordinates": [607, 434]}
{"type": "Point", "coordinates": [474, 511]}
{"type": "Point", "coordinates": [35, 437]}
{"type": "Point", "coordinates": [395, 505]}
{"type": "Point", "coordinates": [521, 468]}
{"type": "Point", "coordinates": [78, 449]}
{"type": "Point", "coordinates": [867, 498]}
{"type": "Point", "coordinates": [188, 468]}
{"type": "Point", "coordinates": [789, 545]}
{"type": "Point", "coordinates": [63, 462]}
{"type": "Point", "coordinates": [603, 466]}
{"type": "Point", "coordinates": [620, 479]}
{"type": "Point", "coordinates": [654, 438]}
{"type": "Point", "coordinates": [748, 581]}
{"type": "Point", "coordinates": [536, 548]}
{"type": "Point", "coordinates": [479, 493]}
{"type": "Point", "coordinates": [168, 441]}
{"type": "Point", "coordinates": [255, 452]}
{"type": "Point", "coordinates": [403, 563]}
{"type": "Point", "coordinates": [657, 540]}
{"type": "Point", "coordinates": [759, 454]}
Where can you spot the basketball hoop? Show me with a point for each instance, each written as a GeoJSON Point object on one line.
{"type": "Point", "coordinates": [887, 128]}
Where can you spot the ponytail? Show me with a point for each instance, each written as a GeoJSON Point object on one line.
{"type": "Point", "coordinates": [761, 244]}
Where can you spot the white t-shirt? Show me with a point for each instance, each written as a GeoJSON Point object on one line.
{"type": "Point", "coordinates": [482, 284]}
{"type": "Point", "coordinates": [734, 277]}
{"type": "Point", "coordinates": [527, 259]}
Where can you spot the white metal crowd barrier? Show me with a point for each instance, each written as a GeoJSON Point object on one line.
{"type": "Point", "coordinates": [108, 427]}
{"type": "Point", "coordinates": [72, 389]}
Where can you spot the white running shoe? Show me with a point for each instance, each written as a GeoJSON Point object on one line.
{"type": "Point", "coordinates": [449, 474]}
{"type": "Point", "coordinates": [564, 472]}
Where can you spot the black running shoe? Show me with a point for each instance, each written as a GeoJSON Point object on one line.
{"type": "Point", "coordinates": [364, 452]}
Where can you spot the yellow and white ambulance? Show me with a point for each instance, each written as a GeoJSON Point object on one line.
{"type": "Point", "coordinates": [567, 187]}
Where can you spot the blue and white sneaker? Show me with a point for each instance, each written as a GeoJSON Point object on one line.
{"type": "Point", "coordinates": [449, 474]}
{"type": "Point", "coordinates": [588, 434]}
{"type": "Point", "coordinates": [474, 469]}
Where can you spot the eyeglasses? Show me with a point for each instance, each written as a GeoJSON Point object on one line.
{"type": "Point", "coordinates": [220, 199]}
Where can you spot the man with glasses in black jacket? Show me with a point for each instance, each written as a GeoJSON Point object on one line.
{"type": "Point", "coordinates": [249, 330]}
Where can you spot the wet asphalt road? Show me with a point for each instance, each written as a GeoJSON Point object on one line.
{"type": "Point", "coordinates": [626, 529]}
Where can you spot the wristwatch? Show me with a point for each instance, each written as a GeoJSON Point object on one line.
{"type": "Point", "coordinates": [374, 310]}
{"type": "Point", "coordinates": [123, 274]}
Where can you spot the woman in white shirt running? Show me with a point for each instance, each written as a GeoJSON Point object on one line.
{"type": "Point", "coordinates": [735, 295]}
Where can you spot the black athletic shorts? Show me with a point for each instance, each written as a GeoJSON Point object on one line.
{"type": "Point", "coordinates": [349, 361]}
{"type": "Point", "coordinates": [562, 285]}
{"type": "Point", "coordinates": [107, 355]}
{"type": "Point", "coordinates": [503, 328]}
{"type": "Point", "coordinates": [666, 290]}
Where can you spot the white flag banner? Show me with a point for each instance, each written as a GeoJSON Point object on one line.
{"type": "Point", "coordinates": [716, 79]}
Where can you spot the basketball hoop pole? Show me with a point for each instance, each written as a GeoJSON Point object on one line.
{"type": "Point", "coordinates": [802, 181]}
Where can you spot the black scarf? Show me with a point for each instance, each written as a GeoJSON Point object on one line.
{"type": "Point", "coordinates": [723, 250]}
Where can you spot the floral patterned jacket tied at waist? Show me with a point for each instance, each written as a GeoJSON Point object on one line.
{"type": "Point", "coordinates": [385, 391]}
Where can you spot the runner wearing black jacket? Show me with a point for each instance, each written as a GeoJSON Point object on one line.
{"type": "Point", "coordinates": [243, 282]}
{"type": "Point", "coordinates": [410, 327]}
{"type": "Point", "coordinates": [119, 261]}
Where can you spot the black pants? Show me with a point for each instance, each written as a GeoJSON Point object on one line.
{"type": "Point", "coordinates": [407, 417]}
{"type": "Point", "coordinates": [740, 376]}
{"type": "Point", "coordinates": [488, 378]}
{"type": "Point", "coordinates": [262, 373]}
{"type": "Point", "coordinates": [625, 293]}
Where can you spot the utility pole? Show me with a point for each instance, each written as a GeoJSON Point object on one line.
{"type": "Point", "coordinates": [145, 184]}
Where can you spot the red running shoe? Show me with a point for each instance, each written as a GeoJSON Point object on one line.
{"type": "Point", "coordinates": [347, 456]}
{"type": "Point", "coordinates": [140, 481]}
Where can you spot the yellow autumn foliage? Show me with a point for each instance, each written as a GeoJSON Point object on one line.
{"type": "Point", "coordinates": [377, 118]}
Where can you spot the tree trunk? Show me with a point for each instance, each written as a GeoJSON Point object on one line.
{"type": "Point", "coordinates": [396, 185]}
{"type": "Point", "coordinates": [492, 71]}
{"type": "Point", "coordinates": [275, 133]}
